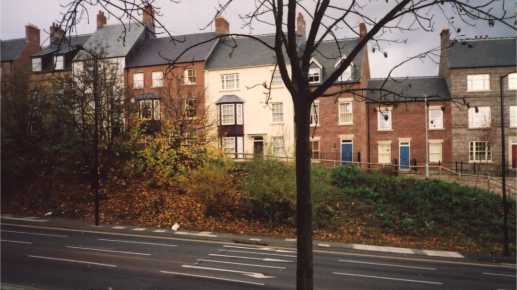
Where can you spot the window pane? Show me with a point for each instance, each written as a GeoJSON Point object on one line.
{"type": "Point", "coordinates": [138, 80]}
{"type": "Point", "coordinates": [513, 116]}
{"type": "Point", "coordinates": [227, 114]}
{"type": "Point", "coordinates": [157, 79]}
{"type": "Point", "coordinates": [384, 118]}
{"type": "Point", "coordinates": [278, 146]}
{"type": "Point", "coordinates": [384, 153]}
{"type": "Point", "coordinates": [239, 114]}
{"type": "Point", "coordinates": [512, 81]}
{"type": "Point", "coordinates": [435, 119]}
{"type": "Point", "coordinates": [315, 113]}
{"type": "Point", "coordinates": [278, 112]}
{"type": "Point", "coordinates": [345, 113]}
{"type": "Point", "coordinates": [228, 144]}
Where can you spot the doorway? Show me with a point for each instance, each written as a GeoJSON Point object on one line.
{"type": "Point", "coordinates": [404, 155]}
{"type": "Point", "coordinates": [258, 146]}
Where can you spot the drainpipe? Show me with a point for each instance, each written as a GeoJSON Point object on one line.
{"type": "Point", "coordinates": [426, 139]}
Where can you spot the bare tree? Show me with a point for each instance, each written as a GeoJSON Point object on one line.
{"type": "Point", "coordinates": [294, 52]}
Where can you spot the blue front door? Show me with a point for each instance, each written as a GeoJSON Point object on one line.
{"type": "Point", "coordinates": [404, 155]}
{"type": "Point", "coordinates": [346, 151]}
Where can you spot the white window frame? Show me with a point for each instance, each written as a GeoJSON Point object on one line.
{"type": "Point", "coordinates": [137, 82]}
{"type": "Point", "coordinates": [435, 157]}
{"type": "Point", "coordinates": [36, 64]}
{"type": "Point", "coordinates": [342, 115]}
{"type": "Point", "coordinates": [277, 112]}
{"type": "Point", "coordinates": [432, 125]}
{"type": "Point", "coordinates": [311, 142]}
{"type": "Point", "coordinates": [314, 75]}
{"type": "Point", "coordinates": [473, 152]}
{"type": "Point", "coordinates": [155, 109]}
{"type": "Point", "coordinates": [189, 76]}
{"type": "Point", "coordinates": [276, 78]}
{"type": "Point", "coordinates": [474, 121]}
{"type": "Point", "coordinates": [225, 141]}
{"type": "Point", "coordinates": [59, 62]}
{"type": "Point", "coordinates": [157, 79]}
{"type": "Point", "coordinates": [513, 117]}
{"type": "Point", "coordinates": [190, 106]}
{"type": "Point", "coordinates": [380, 113]}
{"type": "Point", "coordinates": [478, 82]}
{"type": "Point", "coordinates": [278, 146]}
{"type": "Point", "coordinates": [227, 79]}
{"type": "Point", "coordinates": [347, 73]}
{"type": "Point", "coordinates": [315, 114]}
{"type": "Point", "coordinates": [512, 81]}
{"type": "Point", "coordinates": [239, 118]}
{"type": "Point", "coordinates": [384, 157]}
{"type": "Point", "coordinates": [225, 108]}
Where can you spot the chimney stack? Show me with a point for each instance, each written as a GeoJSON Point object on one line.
{"type": "Point", "coordinates": [56, 34]}
{"type": "Point", "coordinates": [300, 26]}
{"type": "Point", "coordinates": [101, 19]}
{"type": "Point", "coordinates": [32, 34]}
{"type": "Point", "coordinates": [148, 17]}
{"type": "Point", "coordinates": [443, 69]}
{"type": "Point", "coordinates": [362, 30]}
{"type": "Point", "coordinates": [221, 25]}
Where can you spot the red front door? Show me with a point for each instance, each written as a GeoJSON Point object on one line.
{"type": "Point", "coordinates": [514, 155]}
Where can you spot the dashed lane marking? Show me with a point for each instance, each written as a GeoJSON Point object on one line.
{"type": "Point", "coordinates": [388, 278]}
{"type": "Point", "coordinates": [245, 273]}
{"type": "Point", "coordinates": [212, 278]}
{"type": "Point", "coordinates": [109, 251]}
{"type": "Point", "coordinates": [35, 234]}
{"type": "Point", "coordinates": [386, 264]}
{"type": "Point", "coordinates": [118, 227]}
{"type": "Point", "coordinates": [137, 242]}
{"type": "Point", "coordinates": [139, 229]}
{"type": "Point", "coordinates": [72, 261]}
{"type": "Point", "coordinates": [26, 219]}
{"type": "Point", "coordinates": [258, 253]}
{"type": "Point", "coordinates": [16, 242]}
{"type": "Point", "coordinates": [241, 264]}
{"type": "Point", "coordinates": [499, 274]}
{"type": "Point", "coordinates": [252, 258]}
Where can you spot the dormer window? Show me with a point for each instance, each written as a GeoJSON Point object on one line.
{"type": "Point", "coordinates": [314, 76]}
{"type": "Point", "coordinates": [36, 64]}
{"type": "Point", "coordinates": [347, 74]}
{"type": "Point", "coordinates": [59, 62]}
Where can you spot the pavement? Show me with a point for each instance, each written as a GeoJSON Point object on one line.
{"type": "Point", "coordinates": [49, 253]}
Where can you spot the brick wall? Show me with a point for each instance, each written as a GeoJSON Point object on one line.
{"type": "Point", "coordinates": [462, 134]}
{"type": "Point", "coordinates": [408, 121]}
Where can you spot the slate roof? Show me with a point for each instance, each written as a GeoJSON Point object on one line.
{"type": "Point", "coordinates": [329, 53]}
{"type": "Point", "coordinates": [226, 99]}
{"type": "Point", "coordinates": [247, 52]}
{"type": "Point", "coordinates": [408, 89]}
{"type": "Point", "coordinates": [69, 44]}
{"type": "Point", "coordinates": [489, 52]}
{"type": "Point", "coordinates": [11, 49]}
{"type": "Point", "coordinates": [164, 50]}
{"type": "Point", "coordinates": [113, 40]}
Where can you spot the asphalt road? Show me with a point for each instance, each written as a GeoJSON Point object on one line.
{"type": "Point", "coordinates": [63, 259]}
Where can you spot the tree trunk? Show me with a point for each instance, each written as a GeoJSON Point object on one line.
{"type": "Point", "coordinates": [304, 271]}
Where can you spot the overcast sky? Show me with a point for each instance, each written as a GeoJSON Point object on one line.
{"type": "Point", "coordinates": [190, 15]}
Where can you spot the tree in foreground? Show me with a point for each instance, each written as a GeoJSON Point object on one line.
{"type": "Point", "coordinates": [294, 52]}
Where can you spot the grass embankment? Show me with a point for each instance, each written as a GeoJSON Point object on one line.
{"type": "Point", "coordinates": [259, 197]}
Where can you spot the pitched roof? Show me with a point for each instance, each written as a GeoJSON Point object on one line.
{"type": "Point", "coordinates": [407, 89]}
{"type": "Point", "coordinates": [113, 40]}
{"type": "Point", "coordinates": [488, 52]}
{"type": "Point", "coordinates": [66, 46]}
{"type": "Point", "coordinates": [164, 50]}
{"type": "Point", "coordinates": [242, 52]}
{"type": "Point", "coordinates": [11, 49]}
{"type": "Point", "coordinates": [248, 52]}
{"type": "Point", "coordinates": [329, 53]}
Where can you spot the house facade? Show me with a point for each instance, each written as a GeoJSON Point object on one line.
{"type": "Point", "coordinates": [473, 69]}
{"type": "Point", "coordinates": [15, 58]}
{"type": "Point", "coordinates": [409, 122]}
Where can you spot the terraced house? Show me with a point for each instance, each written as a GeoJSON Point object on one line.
{"type": "Point", "coordinates": [478, 71]}
{"type": "Point", "coordinates": [254, 109]}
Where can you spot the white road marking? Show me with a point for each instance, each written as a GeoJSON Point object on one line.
{"type": "Point", "coordinates": [258, 253]}
{"type": "Point", "coordinates": [290, 240]}
{"type": "Point", "coordinates": [159, 231]}
{"type": "Point", "coordinates": [27, 219]}
{"type": "Point", "coordinates": [386, 264]}
{"type": "Point", "coordinates": [212, 277]}
{"type": "Point", "coordinates": [246, 273]}
{"type": "Point", "coordinates": [118, 227]}
{"type": "Point", "coordinates": [261, 249]}
{"type": "Point", "coordinates": [140, 243]}
{"type": "Point", "coordinates": [383, 249]}
{"type": "Point", "coordinates": [252, 258]}
{"type": "Point", "coordinates": [16, 242]}
{"type": "Point", "coordinates": [498, 274]}
{"type": "Point", "coordinates": [72, 261]}
{"type": "Point", "coordinates": [324, 245]}
{"type": "Point", "coordinates": [241, 264]}
{"type": "Point", "coordinates": [36, 234]}
{"type": "Point", "coordinates": [446, 254]}
{"type": "Point", "coordinates": [255, 239]}
{"type": "Point", "coordinates": [200, 234]}
{"type": "Point", "coordinates": [388, 278]}
{"type": "Point", "coordinates": [139, 229]}
{"type": "Point", "coordinates": [109, 251]}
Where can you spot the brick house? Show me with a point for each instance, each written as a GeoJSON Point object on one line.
{"type": "Point", "coordinates": [397, 122]}
{"type": "Point", "coordinates": [161, 90]}
{"type": "Point", "coordinates": [15, 58]}
{"type": "Point", "coordinates": [472, 68]}
{"type": "Point", "coordinates": [340, 130]}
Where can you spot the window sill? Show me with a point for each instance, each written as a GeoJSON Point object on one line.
{"type": "Point", "coordinates": [483, 162]}
{"type": "Point", "coordinates": [479, 91]}
{"type": "Point", "coordinates": [479, 128]}
{"type": "Point", "coordinates": [277, 123]}
{"type": "Point", "coordinates": [385, 130]}
{"type": "Point", "coordinates": [229, 90]}
{"type": "Point", "coordinates": [436, 129]}
{"type": "Point", "coordinates": [345, 124]}
{"type": "Point", "coordinates": [189, 84]}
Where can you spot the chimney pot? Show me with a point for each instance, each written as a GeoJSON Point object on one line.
{"type": "Point", "coordinates": [362, 30]}
{"type": "Point", "coordinates": [101, 19]}
{"type": "Point", "coordinates": [300, 25]}
{"type": "Point", "coordinates": [56, 34]}
{"type": "Point", "coordinates": [221, 25]}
